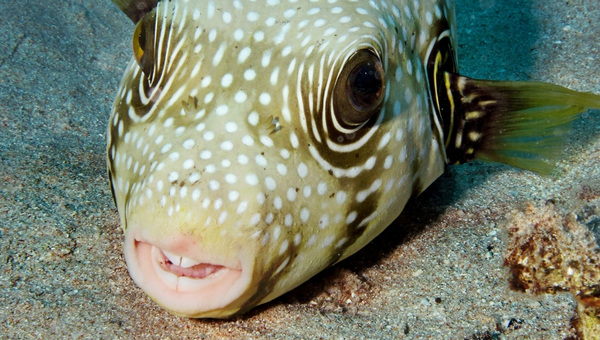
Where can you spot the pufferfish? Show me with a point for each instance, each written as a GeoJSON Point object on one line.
{"type": "Point", "coordinates": [254, 143]}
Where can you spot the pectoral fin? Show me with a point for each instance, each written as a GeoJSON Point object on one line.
{"type": "Point", "coordinates": [135, 9]}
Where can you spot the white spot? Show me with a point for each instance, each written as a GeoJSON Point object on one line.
{"type": "Point", "coordinates": [206, 154]}
{"type": "Point", "coordinates": [226, 17]}
{"type": "Point", "coordinates": [188, 164]}
{"type": "Point", "coordinates": [291, 194]}
{"type": "Point", "coordinates": [252, 16]}
{"type": "Point", "coordinates": [324, 221]}
{"type": "Point", "coordinates": [389, 160]}
{"type": "Point", "coordinates": [196, 195]}
{"type": "Point", "coordinates": [294, 140]}
{"type": "Point", "coordinates": [322, 188]}
{"type": "Point", "coordinates": [265, 98]}
{"type": "Point", "coordinates": [399, 134]}
{"type": "Point", "coordinates": [222, 217]}
{"type": "Point", "coordinates": [211, 168]}
{"type": "Point", "coordinates": [253, 118]}
{"type": "Point", "coordinates": [255, 219]}
{"type": "Point", "coordinates": [402, 155]}
{"type": "Point", "coordinates": [261, 160]}
{"type": "Point", "coordinates": [208, 136]}
{"type": "Point", "coordinates": [220, 51]}
{"type": "Point", "coordinates": [188, 144]}
{"type": "Point", "coordinates": [166, 148]}
{"type": "Point", "coordinates": [278, 203]}
{"type": "Point", "coordinates": [222, 110]}
{"type": "Point", "coordinates": [307, 191]}
{"type": "Point", "coordinates": [284, 247]}
{"type": "Point", "coordinates": [168, 122]}
{"type": "Point", "coordinates": [227, 146]}
{"type": "Point", "coordinates": [242, 207]}
{"type": "Point", "coordinates": [384, 140]}
{"type": "Point", "coordinates": [173, 176]}
{"type": "Point", "coordinates": [269, 219]}
{"type": "Point", "coordinates": [247, 140]}
{"type": "Point", "coordinates": [274, 76]}
{"type": "Point", "coordinates": [242, 159]}
{"type": "Point", "coordinates": [230, 178]}
{"type": "Point", "coordinates": [205, 203]}
{"type": "Point", "coordinates": [266, 141]}
{"type": "Point", "coordinates": [266, 58]}
{"type": "Point", "coordinates": [227, 80]}
{"type": "Point", "coordinates": [327, 241]}
{"type": "Point", "coordinates": [233, 195]}
{"type": "Point", "coordinates": [351, 217]}
{"type": "Point", "coordinates": [205, 81]}
{"type": "Point", "coordinates": [244, 54]}
{"type": "Point", "coordinates": [259, 35]}
{"type": "Point", "coordinates": [231, 127]}
{"type": "Point", "coordinates": [252, 179]}
{"type": "Point", "coordinates": [304, 215]}
{"type": "Point", "coordinates": [212, 35]}
{"type": "Point", "coordinates": [214, 185]}
{"type": "Point", "coordinates": [249, 74]}
{"type": "Point", "coordinates": [340, 197]}
{"type": "Point", "coordinates": [270, 183]}
{"type": "Point", "coordinates": [240, 96]}
{"type": "Point", "coordinates": [238, 34]}
{"type": "Point", "coordinates": [302, 170]}
{"type": "Point", "coordinates": [282, 169]}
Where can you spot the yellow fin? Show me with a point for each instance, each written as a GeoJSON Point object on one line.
{"type": "Point", "coordinates": [523, 124]}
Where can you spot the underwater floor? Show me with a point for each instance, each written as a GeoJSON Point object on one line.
{"type": "Point", "coordinates": [449, 268]}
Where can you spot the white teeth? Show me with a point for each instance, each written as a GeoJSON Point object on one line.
{"type": "Point", "coordinates": [176, 260]}
{"type": "Point", "coordinates": [181, 261]}
{"type": "Point", "coordinates": [187, 262]}
{"type": "Point", "coordinates": [169, 279]}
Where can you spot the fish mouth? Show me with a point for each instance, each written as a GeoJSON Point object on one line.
{"type": "Point", "coordinates": [186, 280]}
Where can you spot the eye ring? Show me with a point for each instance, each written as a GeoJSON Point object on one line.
{"type": "Point", "coordinates": [360, 89]}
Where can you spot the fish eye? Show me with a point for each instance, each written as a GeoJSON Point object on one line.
{"type": "Point", "coordinates": [143, 44]}
{"type": "Point", "coordinates": [360, 89]}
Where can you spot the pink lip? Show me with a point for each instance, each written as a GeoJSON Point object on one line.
{"type": "Point", "coordinates": [185, 279]}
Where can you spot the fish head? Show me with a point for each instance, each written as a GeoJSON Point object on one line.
{"type": "Point", "coordinates": [251, 146]}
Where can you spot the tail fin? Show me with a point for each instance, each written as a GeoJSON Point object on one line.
{"type": "Point", "coordinates": [523, 124]}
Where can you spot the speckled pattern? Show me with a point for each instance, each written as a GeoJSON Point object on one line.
{"type": "Point", "coordinates": [62, 267]}
{"type": "Point", "coordinates": [221, 141]}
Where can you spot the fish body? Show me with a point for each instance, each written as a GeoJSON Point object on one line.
{"type": "Point", "coordinates": [254, 143]}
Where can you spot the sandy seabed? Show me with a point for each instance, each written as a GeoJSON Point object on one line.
{"type": "Point", "coordinates": [438, 272]}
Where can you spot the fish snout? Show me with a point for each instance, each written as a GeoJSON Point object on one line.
{"type": "Point", "coordinates": [187, 277]}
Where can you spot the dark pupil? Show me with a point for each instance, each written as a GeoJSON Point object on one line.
{"type": "Point", "coordinates": [365, 84]}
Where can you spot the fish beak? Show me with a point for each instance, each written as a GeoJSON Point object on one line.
{"type": "Point", "coordinates": [186, 279]}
